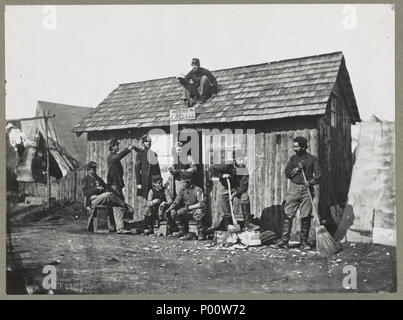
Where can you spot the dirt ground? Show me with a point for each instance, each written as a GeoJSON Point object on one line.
{"type": "Point", "coordinates": [89, 263]}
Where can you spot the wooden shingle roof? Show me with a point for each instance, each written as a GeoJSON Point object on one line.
{"type": "Point", "coordinates": [287, 88]}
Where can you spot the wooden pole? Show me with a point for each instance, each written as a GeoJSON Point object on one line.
{"type": "Point", "coordinates": [31, 118]}
{"type": "Point", "coordinates": [47, 160]}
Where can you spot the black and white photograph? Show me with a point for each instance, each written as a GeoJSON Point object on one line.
{"type": "Point", "coordinates": [200, 149]}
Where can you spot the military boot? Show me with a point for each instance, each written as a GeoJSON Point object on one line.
{"type": "Point", "coordinates": [188, 236]}
{"type": "Point", "coordinates": [226, 220]}
{"type": "Point", "coordinates": [305, 226]}
{"type": "Point", "coordinates": [247, 216]}
{"type": "Point", "coordinates": [285, 237]}
{"type": "Point", "coordinates": [149, 229]}
{"type": "Point", "coordinates": [181, 228]}
{"type": "Point", "coordinates": [201, 230]}
{"type": "Point", "coordinates": [172, 227]}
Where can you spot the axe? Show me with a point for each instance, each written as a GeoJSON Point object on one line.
{"type": "Point", "coordinates": [235, 226]}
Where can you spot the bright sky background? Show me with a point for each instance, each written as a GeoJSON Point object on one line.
{"type": "Point", "coordinates": [94, 48]}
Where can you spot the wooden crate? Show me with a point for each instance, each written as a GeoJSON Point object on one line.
{"type": "Point", "coordinates": [101, 220]}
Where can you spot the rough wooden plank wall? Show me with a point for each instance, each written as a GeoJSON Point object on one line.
{"type": "Point", "coordinates": [335, 155]}
{"type": "Point", "coordinates": [266, 162]}
{"type": "Point", "coordinates": [271, 147]}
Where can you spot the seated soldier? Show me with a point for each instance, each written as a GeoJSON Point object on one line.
{"type": "Point", "coordinates": [158, 205]}
{"type": "Point", "coordinates": [238, 176]}
{"type": "Point", "coordinates": [190, 203]}
{"type": "Point", "coordinates": [180, 162]}
{"type": "Point", "coordinates": [199, 83]}
{"type": "Point", "coordinates": [97, 193]}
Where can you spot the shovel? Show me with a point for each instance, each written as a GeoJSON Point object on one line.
{"type": "Point", "coordinates": [235, 226]}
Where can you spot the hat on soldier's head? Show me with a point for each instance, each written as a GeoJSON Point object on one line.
{"type": "Point", "coordinates": [195, 62]}
{"type": "Point", "coordinates": [113, 142]}
{"type": "Point", "coordinates": [302, 142]}
{"type": "Point", "coordinates": [156, 178]}
{"type": "Point", "coordinates": [145, 138]}
{"type": "Point", "coordinates": [185, 175]}
{"type": "Point", "coordinates": [91, 165]}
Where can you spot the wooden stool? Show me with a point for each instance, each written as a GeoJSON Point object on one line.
{"type": "Point", "coordinates": [163, 229]}
{"type": "Point", "coordinates": [98, 220]}
{"type": "Point", "coordinates": [193, 227]}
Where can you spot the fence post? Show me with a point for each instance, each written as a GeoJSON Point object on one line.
{"type": "Point", "coordinates": [75, 186]}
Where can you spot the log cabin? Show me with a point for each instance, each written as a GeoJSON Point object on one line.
{"type": "Point", "coordinates": [258, 110]}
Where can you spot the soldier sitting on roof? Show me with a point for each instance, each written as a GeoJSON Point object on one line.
{"type": "Point", "coordinates": [199, 83]}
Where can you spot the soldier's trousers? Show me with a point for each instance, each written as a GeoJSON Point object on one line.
{"type": "Point", "coordinates": [151, 214]}
{"type": "Point", "coordinates": [117, 204]}
{"type": "Point", "coordinates": [204, 90]}
{"type": "Point", "coordinates": [224, 209]}
{"type": "Point", "coordinates": [298, 197]}
{"type": "Point", "coordinates": [182, 217]}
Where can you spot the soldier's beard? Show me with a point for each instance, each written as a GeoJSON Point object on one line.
{"type": "Point", "coordinates": [300, 152]}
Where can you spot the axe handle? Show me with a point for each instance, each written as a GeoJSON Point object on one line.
{"type": "Point", "coordinates": [230, 204]}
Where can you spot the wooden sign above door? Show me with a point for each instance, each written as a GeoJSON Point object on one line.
{"type": "Point", "coordinates": [180, 114]}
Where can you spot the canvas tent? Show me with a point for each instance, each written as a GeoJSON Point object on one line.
{"type": "Point", "coordinates": [370, 213]}
{"type": "Point", "coordinates": [67, 151]}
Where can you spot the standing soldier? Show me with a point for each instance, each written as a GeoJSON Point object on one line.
{"type": "Point", "coordinates": [298, 196]}
{"type": "Point", "coordinates": [115, 169]}
{"type": "Point", "coordinates": [238, 175]}
{"type": "Point", "coordinates": [146, 166]}
{"type": "Point", "coordinates": [158, 202]}
{"type": "Point", "coordinates": [181, 162]}
{"type": "Point", "coordinates": [190, 203]}
{"type": "Point", "coordinates": [114, 178]}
